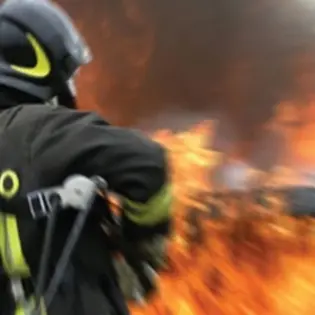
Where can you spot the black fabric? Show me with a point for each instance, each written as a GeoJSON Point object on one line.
{"type": "Point", "coordinates": [6, 301]}
{"type": "Point", "coordinates": [68, 142]}
{"type": "Point", "coordinates": [10, 97]}
{"type": "Point", "coordinates": [79, 295]}
{"type": "Point", "coordinates": [17, 206]}
{"type": "Point", "coordinates": [43, 146]}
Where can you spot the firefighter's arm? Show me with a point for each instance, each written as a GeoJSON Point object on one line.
{"type": "Point", "coordinates": [134, 167]}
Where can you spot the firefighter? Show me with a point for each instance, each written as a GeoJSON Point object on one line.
{"type": "Point", "coordinates": [43, 139]}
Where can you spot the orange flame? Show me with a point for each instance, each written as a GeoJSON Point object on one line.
{"type": "Point", "coordinates": [258, 263]}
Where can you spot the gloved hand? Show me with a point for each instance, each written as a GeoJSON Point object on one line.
{"type": "Point", "coordinates": [137, 272]}
{"type": "Point", "coordinates": [130, 284]}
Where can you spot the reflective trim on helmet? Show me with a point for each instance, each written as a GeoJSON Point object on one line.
{"type": "Point", "coordinates": [156, 210]}
{"type": "Point", "coordinates": [48, 22]}
{"type": "Point", "coordinates": [42, 68]}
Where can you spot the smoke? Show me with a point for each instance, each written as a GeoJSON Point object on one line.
{"type": "Point", "coordinates": [174, 119]}
{"type": "Point", "coordinates": [158, 60]}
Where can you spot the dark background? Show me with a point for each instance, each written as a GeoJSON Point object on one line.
{"type": "Point", "coordinates": [170, 63]}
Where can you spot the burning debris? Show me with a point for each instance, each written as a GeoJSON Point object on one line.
{"type": "Point", "coordinates": [248, 251]}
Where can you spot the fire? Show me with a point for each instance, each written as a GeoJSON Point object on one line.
{"type": "Point", "coordinates": [261, 262]}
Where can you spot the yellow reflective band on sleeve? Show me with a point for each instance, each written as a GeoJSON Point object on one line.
{"type": "Point", "coordinates": [10, 247]}
{"type": "Point", "coordinates": [157, 209]}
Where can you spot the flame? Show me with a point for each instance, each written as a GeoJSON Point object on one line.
{"type": "Point", "coordinates": [259, 263]}
{"type": "Point", "coordinates": [297, 123]}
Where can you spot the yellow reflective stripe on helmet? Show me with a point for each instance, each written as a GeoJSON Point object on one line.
{"type": "Point", "coordinates": [42, 68]}
{"type": "Point", "coordinates": [10, 247]}
{"type": "Point", "coordinates": [157, 209]}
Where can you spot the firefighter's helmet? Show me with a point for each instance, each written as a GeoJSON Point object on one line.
{"type": "Point", "coordinates": [40, 49]}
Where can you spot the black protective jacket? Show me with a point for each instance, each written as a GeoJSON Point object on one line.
{"type": "Point", "coordinates": [43, 145]}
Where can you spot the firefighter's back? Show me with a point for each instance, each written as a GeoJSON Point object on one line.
{"type": "Point", "coordinates": [21, 239]}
